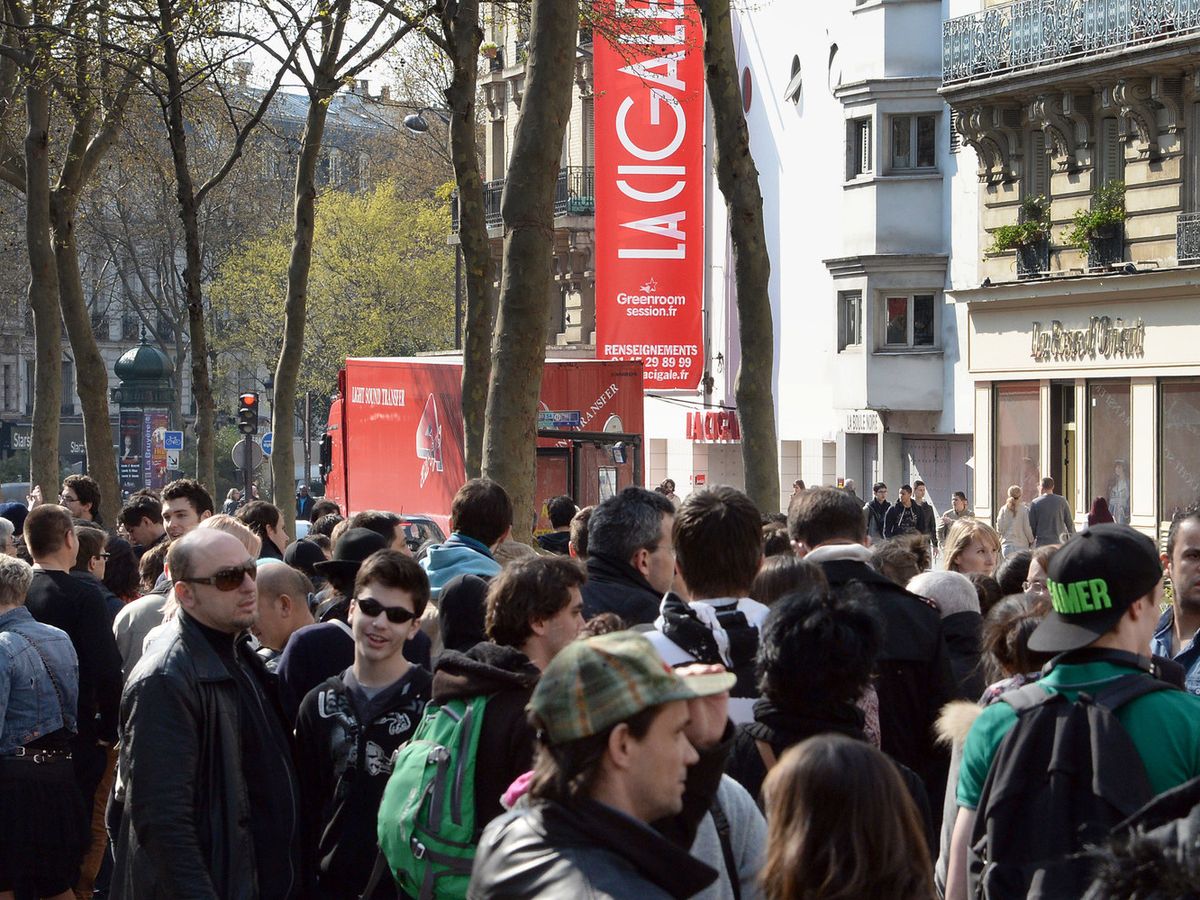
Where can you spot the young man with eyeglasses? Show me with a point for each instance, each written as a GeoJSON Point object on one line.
{"type": "Point", "coordinates": [81, 497]}
{"type": "Point", "coordinates": [211, 805]}
{"type": "Point", "coordinates": [349, 727]}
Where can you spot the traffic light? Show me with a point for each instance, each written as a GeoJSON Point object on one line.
{"type": "Point", "coordinates": [247, 417]}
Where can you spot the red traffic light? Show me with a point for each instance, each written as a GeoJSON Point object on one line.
{"type": "Point", "coordinates": [250, 400]}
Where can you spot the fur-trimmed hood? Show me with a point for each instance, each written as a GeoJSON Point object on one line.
{"type": "Point", "coordinates": [955, 720]}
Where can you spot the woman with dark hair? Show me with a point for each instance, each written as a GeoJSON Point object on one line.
{"type": "Point", "coordinates": [841, 826]}
{"type": "Point", "coordinates": [816, 655]}
{"type": "Point", "coordinates": [265, 520]}
{"type": "Point", "coordinates": [785, 574]}
{"type": "Point", "coordinates": [1099, 513]}
{"type": "Point", "coordinates": [121, 572]}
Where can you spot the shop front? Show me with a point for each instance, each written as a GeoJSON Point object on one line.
{"type": "Point", "coordinates": [1094, 382]}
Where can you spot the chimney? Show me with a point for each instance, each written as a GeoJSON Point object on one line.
{"type": "Point", "coordinates": [385, 92]}
{"type": "Point", "coordinates": [241, 70]}
{"type": "Point", "coordinates": [363, 87]}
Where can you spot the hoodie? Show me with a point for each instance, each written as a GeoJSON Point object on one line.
{"type": "Point", "coordinates": [459, 555]}
{"type": "Point", "coordinates": [505, 739]}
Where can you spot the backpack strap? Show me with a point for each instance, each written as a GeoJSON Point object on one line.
{"type": "Point", "coordinates": [723, 833]}
{"type": "Point", "coordinates": [1126, 689]}
{"type": "Point", "coordinates": [377, 871]}
{"type": "Point", "coordinates": [1027, 697]}
{"type": "Point", "coordinates": [767, 753]}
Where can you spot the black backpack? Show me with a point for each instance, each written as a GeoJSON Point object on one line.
{"type": "Point", "coordinates": [1061, 779]}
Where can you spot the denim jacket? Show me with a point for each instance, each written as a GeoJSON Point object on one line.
{"type": "Point", "coordinates": [1188, 656]}
{"type": "Point", "coordinates": [29, 703]}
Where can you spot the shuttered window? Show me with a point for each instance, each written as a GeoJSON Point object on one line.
{"type": "Point", "coordinates": [1112, 156]}
{"type": "Point", "coordinates": [1037, 182]}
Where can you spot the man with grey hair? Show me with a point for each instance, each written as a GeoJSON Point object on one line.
{"type": "Point", "coordinates": [211, 800]}
{"type": "Point", "coordinates": [283, 594]}
{"type": "Point", "coordinates": [631, 556]}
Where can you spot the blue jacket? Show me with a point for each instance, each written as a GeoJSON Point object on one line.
{"type": "Point", "coordinates": [1188, 655]}
{"type": "Point", "coordinates": [460, 555]}
{"type": "Point", "coordinates": [29, 704]}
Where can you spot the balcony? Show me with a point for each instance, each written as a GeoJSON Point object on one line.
{"type": "Point", "coordinates": [1187, 238]}
{"type": "Point", "coordinates": [1007, 39]}
{"type": "Point", "coordinates": [574, 195]}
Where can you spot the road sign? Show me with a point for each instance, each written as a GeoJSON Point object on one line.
{"type": "Point", "coordinates": [172, 440]}
{"type": "Point", "coordinates": [172, 460]}
{"type": "Point", "coordinates": [266, 443]}
{"type": "Point", "coordinates": [569, 418]}
{"type": "Point", "coordinates": [239, 454]}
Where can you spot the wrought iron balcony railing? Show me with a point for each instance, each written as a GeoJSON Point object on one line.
{"type": "Point", "coordinates": [1029, 33]}
{"type": "Point", "coordinates": [574, 195]}
{"type": "Point", "coordinates": [1187, 238]}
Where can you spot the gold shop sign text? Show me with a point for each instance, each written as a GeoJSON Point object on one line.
{"type": "Point", "coordinates": [1104, 337]}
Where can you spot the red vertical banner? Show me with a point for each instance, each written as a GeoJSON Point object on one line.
{"type": "Point", "coordinates": [649, 103]}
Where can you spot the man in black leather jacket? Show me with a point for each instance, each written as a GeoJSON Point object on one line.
{"type": "Point", "coordinates": [211, 804]}
{"type": "Point", "coordinates": [618, 733]}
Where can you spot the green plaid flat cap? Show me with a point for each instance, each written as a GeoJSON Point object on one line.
{"type": "Point", "coordinates": [594, 684]}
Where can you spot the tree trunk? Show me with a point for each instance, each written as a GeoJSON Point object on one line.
{"type": "Point", "coordinates": [185, 193]}
{"type": "Point", "coordinates": [43, 294]}
{"type": "Point", "coordinates": [463, 36]}
{"type": "Point", "coordinates": [283, 417]}
{"type": "Point", "coordinates": [91, 370]}
{"type": "Point", "coordinates": [738, 180]}
{"type": "Point", "coordinates": [519, 349]}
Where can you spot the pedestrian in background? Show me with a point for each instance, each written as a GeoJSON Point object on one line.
{"type": "Point", "coordinates": [1013, 524]}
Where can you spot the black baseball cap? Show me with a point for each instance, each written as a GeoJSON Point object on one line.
{"type": "Point", "coordinates": [1093, 579]}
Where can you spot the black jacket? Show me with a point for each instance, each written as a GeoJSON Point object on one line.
{"type": "Point", "coordinates": [203, 778]}
{"type": "Point", "coordinates": [345, 747]}
{"type": "Point", "coordinates": [587, 850]}
{"type": "Point", "coordinates": [963, 631]}
{"type": "Point", "coordinates": [64, 601]}
{"type": "Point", "coordinates": [915, 677]}
{"type": "Point", "coordinates": [617, 587]}
{"type": "Point", "coordinates": [556, 542]}
{"type": "Point", "coordinates": [900, 519]}
{"type": "Point", "coordinates": [505, 738]}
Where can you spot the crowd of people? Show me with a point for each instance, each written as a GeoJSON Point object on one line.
{"type": "Point", "coordinates": [666, 698]}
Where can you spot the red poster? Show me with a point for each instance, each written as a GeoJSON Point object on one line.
{"type": "Point", "coordinates": [649, 106]}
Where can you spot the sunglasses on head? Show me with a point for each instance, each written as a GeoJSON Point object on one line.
{"type": "Point", "coordinates": [371, 608]}
{"type": "Point", "coordinates": [226, 579]}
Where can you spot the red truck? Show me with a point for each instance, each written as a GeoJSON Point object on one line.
{"type": "Point", "coordinates": [395, 435]}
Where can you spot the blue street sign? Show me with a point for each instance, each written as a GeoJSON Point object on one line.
{"type": "Point", "coordinates": [266, 444]}
{"type": "Point", "coordinates": [560, 419]}
{"type": "Point", "coordinates": [173, 440]}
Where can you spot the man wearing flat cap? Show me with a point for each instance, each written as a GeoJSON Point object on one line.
{"type": "Point", "coordinates": [617, 738]}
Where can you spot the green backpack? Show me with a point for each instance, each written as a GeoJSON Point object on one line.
{"type": "Point", "coordinates": [427, 815]}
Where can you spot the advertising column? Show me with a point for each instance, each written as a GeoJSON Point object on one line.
{"type": "Point", "coordinates": [649, 107]}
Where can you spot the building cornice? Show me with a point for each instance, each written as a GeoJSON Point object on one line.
{"type": "Point", "coordinates": [915, 87]}
{"type": "Point", "coordinates": [1175, 282]}
{"type": "Point", "coordinates": [887, 264]}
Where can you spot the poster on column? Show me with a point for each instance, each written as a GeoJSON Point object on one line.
{"type": "Point", "coordinates": [649, 108]}
{"type": "Point", "coordinates": [129, 464]}
{"type": "Point", "coordinates": [155, 423]}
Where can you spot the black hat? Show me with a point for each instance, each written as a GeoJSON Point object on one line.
{"type": "Point", "coordinates": [303, 556]}
{"type": "Point", "coordinates": [352, 548]}
{"type": "Point", "coordinates": [1093, 579]}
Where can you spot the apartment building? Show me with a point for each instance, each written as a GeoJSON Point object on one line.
{"type": "Point", "coordinates": [1082, 319]}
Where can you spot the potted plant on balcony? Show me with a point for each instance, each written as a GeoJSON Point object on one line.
{"type": "Point", "coordinates": [1100, 229]}
{"type": "Point", "coordinates": [1030, 237]}
{"type": "Point", "coordinates": [489, 49]}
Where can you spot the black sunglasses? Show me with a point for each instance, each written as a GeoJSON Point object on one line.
{"type": "Point", "coordinates": [226, 579]}
{"type": "Point", "coordinates": [371, 608]}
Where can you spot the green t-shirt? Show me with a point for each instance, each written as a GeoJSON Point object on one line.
{"type": "Point", "coordinates": [1164, 726]}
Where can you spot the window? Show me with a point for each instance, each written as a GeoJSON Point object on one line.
{"type": "Point", "coordinates": [1112, 154]}
{"type": "Point", "coordinates": [849, 319]}
{"type": "Point", "coordinates": [1037, 182]}
{"type": "Point", "coordinates": [859, 140]}
{"type": "Point", "coordinates": [910, 321]}
{"type": "Point", "coordinates": [913, 142]}
{"type": "Point", "coordinates": [1108, 446]}
{"type": "Point", "coordinates": [1018, 441]}
{"type": "Point", "coordinates": [1179, 421]}
{"type": "Point", "coordinates": [68, 388]}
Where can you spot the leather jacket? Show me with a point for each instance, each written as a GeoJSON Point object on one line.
{"type": "Point", "coordinates": [585, 850]}
{"type": "Point", "coordinates": [187, 826]}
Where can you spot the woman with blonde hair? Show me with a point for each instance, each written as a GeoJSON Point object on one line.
{"type": "Point", "coordinates": [1013, 524]}
{"type": "Point", "coordinates": [842, 826]}
{"type": "Point", "coordinates": [971, 547]}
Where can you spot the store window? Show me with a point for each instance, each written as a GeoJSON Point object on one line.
{"type": "Point", "coordinates": [1179, 420]}
{"type": "Point", "coordinates": [1108, 447]}
{"type": "Point", "coordinates": [1018, 441]}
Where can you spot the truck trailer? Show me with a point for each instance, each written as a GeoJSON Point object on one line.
{"type": "Point", "coordinates": [394, 440]}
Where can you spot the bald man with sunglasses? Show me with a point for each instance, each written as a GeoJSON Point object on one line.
{"type": "Point", "coordinates": [349, 728]}
{"type": "Point", "coordinates": [212, 807]}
